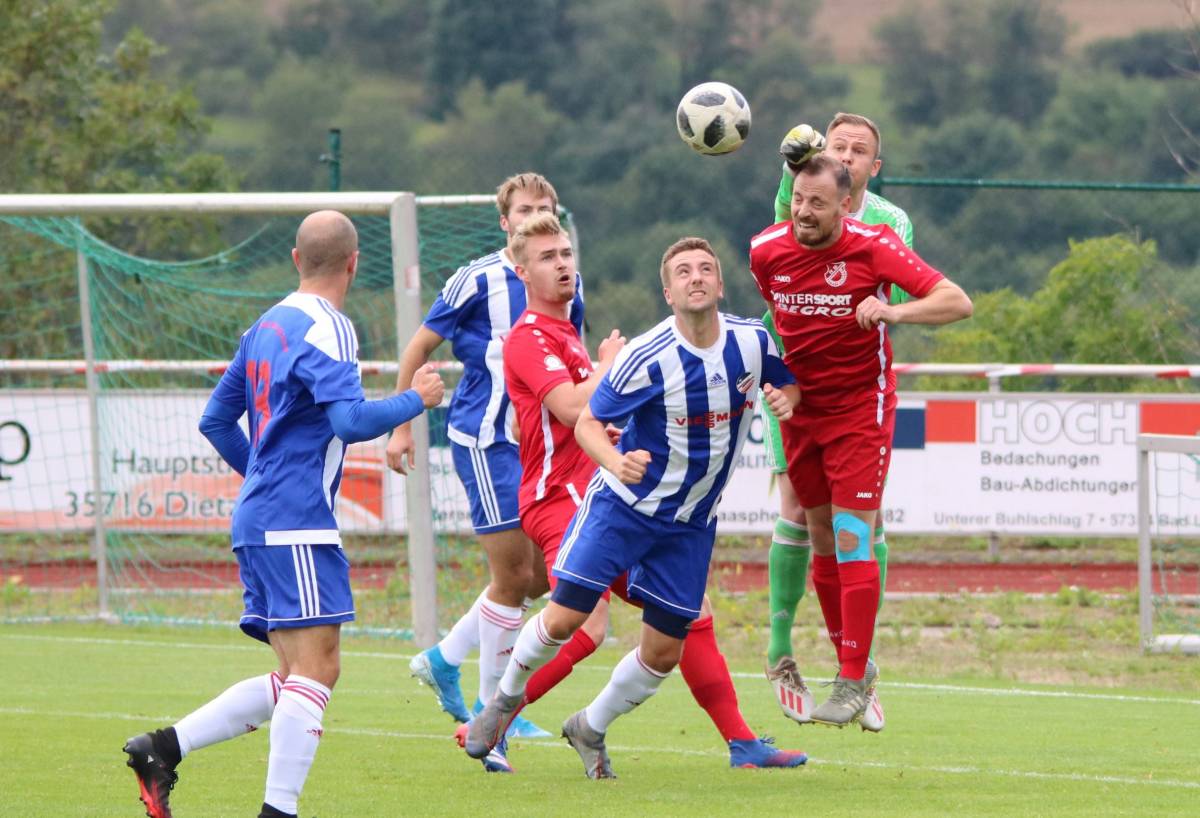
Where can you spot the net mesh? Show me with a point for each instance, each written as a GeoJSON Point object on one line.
{"type": "Point", "coordinates": [1174, 519]}
{"type": "Point", "coordinates": [165, 496]}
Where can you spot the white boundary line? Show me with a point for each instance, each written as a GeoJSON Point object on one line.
{"type": "Point", "coordinates": [360, 654]}
{"type": "Point", "coordinates": [555, 745]}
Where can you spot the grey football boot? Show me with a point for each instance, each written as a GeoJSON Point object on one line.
{"type": "Point", "coordinates": [488, 727]}
{"type": "Point", "coordinates": [849, 699]}
{"type": "Point", "coordinates": [590, 746]}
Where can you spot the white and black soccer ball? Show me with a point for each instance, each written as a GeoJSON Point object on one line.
{"type": "Point", "coordinates": [713, 118]}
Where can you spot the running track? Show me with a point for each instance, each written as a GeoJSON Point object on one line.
{"type": "Point", "coordinates": [731, 576]}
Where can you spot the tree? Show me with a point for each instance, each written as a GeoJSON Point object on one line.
{"type": "Point", "coordinates": [1154, 54]}
{"type": "Point", "coordinates": [1100, 126]}
{"type": "Point", "coordinates": [485, 137]}
{"type": "Point", "coordinates": [926, 59]}
{"type": "Point", "coordinates": [297, 104]}
{"type": "Point", "coordinates": [1021, 44]}
{"type": "Point", "coordinates": [77, 119]}
{"type": "Point", "coordinates": [1000, 56]}
{"type": "Point", "coordinates": [494, 43]}
{"type": "Point", "coordinates": [1107, 302]}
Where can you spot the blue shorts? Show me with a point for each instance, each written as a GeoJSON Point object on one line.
{"type": "Point", "coordinates": [667, 561]}
{"type": "Point", "coordinates": [491, 477]}
{"type": "Point", "coordinates": [293, 586]}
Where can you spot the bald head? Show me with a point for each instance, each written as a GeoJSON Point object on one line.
{"type": "Point", "coordinates": [325, 244]}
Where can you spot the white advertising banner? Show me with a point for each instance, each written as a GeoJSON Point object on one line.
{"type": "Point", "coordinates": [979, 463]}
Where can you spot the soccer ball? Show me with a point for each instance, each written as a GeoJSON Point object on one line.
{"type": "Point", "coordinates": [713, 118]}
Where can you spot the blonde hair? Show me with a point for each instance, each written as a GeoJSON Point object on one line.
{"type": "Point", "coordinates": [862, 121]}
{"type": "Point", "coordinates": [539, 224]}
{"type": "Point", "coordinates": [682, 246]}
{"type": "Point", "coordinates": [534, 183]}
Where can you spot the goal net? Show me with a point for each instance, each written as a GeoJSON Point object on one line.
{"type": "Point", "coordinates": [1169, 542]}
{"type": "Point", "coordinates": [111, 503]}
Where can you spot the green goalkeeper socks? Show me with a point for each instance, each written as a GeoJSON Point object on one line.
{"type": "Point", "coordinates": [881, 557]}
{"type": "Point", "coordinates": [788, 571]}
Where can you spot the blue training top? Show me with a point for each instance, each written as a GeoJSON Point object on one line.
{"type": "Point", "coordinates": [296, 375]}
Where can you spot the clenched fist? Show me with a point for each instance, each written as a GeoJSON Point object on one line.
{"type": "Point", "coordinates": [802, 143]}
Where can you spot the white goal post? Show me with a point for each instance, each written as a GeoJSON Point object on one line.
{"type": "Point", "coordinates": [401, 210]}
{"type": "Point", "coordinates": [1149, 526]}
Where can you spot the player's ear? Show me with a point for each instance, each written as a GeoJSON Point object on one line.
{"type": "Point", "coordinates": [667, 295]}
{"type": "Point", "coordinates": [296, 258]}
{"type": "Point", "coordinates": [875, 166]}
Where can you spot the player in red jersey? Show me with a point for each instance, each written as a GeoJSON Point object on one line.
{"type": "Point", "coordinates": [827, 279]}
{"type": "Point", "coordinates": [549, 378]}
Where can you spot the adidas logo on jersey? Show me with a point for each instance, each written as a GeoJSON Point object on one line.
{"type": "Point", "coordinates": [716, 380]}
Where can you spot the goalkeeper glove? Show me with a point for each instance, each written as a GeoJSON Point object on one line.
{"type": "Point", "coordinates": [802, 143]}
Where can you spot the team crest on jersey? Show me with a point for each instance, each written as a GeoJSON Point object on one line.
{"type": "Point", "coordinates": [745, 382]}
{"type": "Point", "coordinates": [553, 363]}
{"type": "Point", "coordinates": [835, 274]}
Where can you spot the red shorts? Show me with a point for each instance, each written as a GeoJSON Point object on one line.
{"type": "Point", "coordinates": [840, 457]}
{"type": "Point", "coordinates": [546, 521]}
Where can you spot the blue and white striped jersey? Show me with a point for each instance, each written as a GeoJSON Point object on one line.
{"type": "Point", "coordinates": [475, 310]}
{"type": "Point", "coordinates": [299, 354]}
{"type": "Point", "coordinates": [690, 408]}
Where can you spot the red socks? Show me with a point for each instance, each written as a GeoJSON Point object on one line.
{"type": "Point", "coordinates": [707, 676]}
{"type": "Point", "coordinates": [575, 650]}
{"type": "Point", "coordinates": [860, 602]}
{"type": "Point", "coordinates": [828, 584]}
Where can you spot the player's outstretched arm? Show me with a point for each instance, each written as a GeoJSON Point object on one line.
{"type": "Point", "coordinates": [416, 355]}
{"type": "Point", "coordinates": [567, 400]}
{"type": "Point", "coordinates": [943, 304]}
{"type": "Point", "coordinates": [357, 420]}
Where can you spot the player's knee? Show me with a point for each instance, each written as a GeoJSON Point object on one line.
{"type": "Point", "coordinates": [853, 538]}
{"type": "Point", "coordinates": [561, 622]}
{"type": "Point", "coordinates": [822, 537]}
{"type": "Point", "coordinates": [512, 580]}
{"type": "Point", "coordinates": [661, 656]}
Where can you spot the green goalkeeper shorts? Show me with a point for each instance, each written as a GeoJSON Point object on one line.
{"type": "Point", "coordinates": [772, 437]}
{"type": "Point", "coordinates": [773, 441]}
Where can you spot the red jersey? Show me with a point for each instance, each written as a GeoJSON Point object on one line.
{"type": "Point", "coordinates": [814, 295]}
{"type": "Point", "coordinates": [540, 353]}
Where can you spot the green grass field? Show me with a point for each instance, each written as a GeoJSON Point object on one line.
{"type": "Point", "coordinates": [970, 746]}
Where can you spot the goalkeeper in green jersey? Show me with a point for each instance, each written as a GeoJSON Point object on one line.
{"type": "Point", "coordinates": [855, 141]}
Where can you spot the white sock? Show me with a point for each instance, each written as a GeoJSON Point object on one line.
{"type": "Point", "coordinates": [498, 627]}
{"type": "Point", "coordinates": [631, 684]}
{"type": "Point", "coordinates": [533, 649]}
{"type": "Point", "coordinates": [240, 709]}
{"type": "Point", "coordinates": [295, 733]}
{"type": "Point", "coordinates": [464, 636]}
